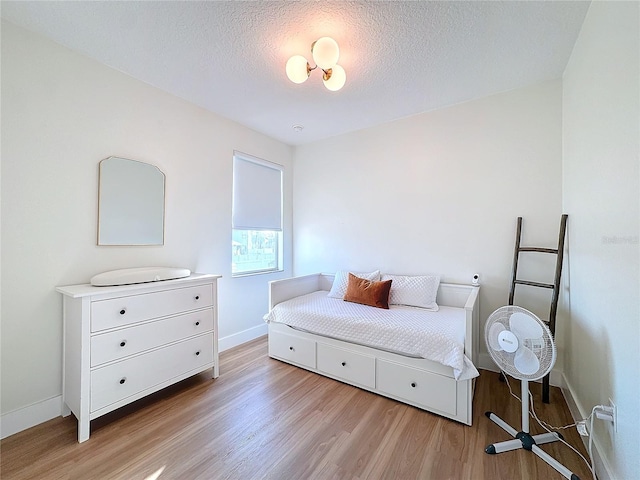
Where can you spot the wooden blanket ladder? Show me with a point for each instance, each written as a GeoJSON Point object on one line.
{"type": "Point", "coordinates": [555, 286]}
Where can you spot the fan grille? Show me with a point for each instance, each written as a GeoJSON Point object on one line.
{"type": "Point", "coordinates": [543, 348]}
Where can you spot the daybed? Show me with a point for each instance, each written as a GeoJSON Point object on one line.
{"type": "Point", "coordinates": [420, 382]}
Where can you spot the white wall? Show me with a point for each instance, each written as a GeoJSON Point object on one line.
{"type": "Point", "coordinates": [601, 130]}
{"type": "Point", "coordinates": [438, 192]}
{"type": "Point", "coordinates": [61, 114]}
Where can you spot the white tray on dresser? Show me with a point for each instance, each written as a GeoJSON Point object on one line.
{"type": "Point", "coordinates": [124, 342]}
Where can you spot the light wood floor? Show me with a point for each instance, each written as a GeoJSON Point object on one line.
{"type": "Point", "coordinates": [265, 419]}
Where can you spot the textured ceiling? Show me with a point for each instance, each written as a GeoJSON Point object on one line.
{"type": "Point", "coordinates": [401, 57]}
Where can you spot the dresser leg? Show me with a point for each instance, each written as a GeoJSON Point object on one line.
{"type": "Point", "coordinates": [66, 411]}
{"type": "Point", "coordinates": [215, 373]}
{"type": "Point", "coordinates": [83, 431]}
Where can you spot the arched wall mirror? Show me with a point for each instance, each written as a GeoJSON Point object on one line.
{"type": "Point", "coordinates": [130, 203]}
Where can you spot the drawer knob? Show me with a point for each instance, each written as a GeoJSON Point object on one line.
{"type": "Point", "coordinates": [197, 323]}
{"type": "Point", "coordinates": [198, 352]}
{"type": "Point", "coordinates": [344, 364]}
{"type": "Point", "coordinates": [291, 348]}
{"type": "Point", "coordinates": [413, 384]}
{"type": "Point", "coordinates": [123, 343]}
{"type": "Point", "coordinates": [122, 380]}
{"type": "Point", "coordinates": [123, 311]}
{"type": "Point", "coordinates": [197, 297]}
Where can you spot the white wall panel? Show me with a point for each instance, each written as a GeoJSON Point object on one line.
{"type": "Point", "coordinates": [601, 185]}
{"type": "Point", "coordinates": [61, 114]}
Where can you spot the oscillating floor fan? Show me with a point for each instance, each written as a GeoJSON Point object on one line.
{"type": "Point", "coordinates": [522, 346]}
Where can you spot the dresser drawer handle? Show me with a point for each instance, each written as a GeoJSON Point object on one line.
{"type": "Point", "coordinates": [123, 343]}
{"type": "Point", "coordinates": [197, 323]}
{"type": "Point", "coordinates": [413, 384]}
{"type": "Point", "coordinates": [291, 348]}
{"type": "Point", "coordinates": [198, 352]}
{"type": "Point", "coordinates": [197, 297]}
{"type": "Point", "coordinates": [344, 364]}
{"type": "Point", "coordinates": [122, 380]}
{"type": "Point", "coordinates": [123, 311]}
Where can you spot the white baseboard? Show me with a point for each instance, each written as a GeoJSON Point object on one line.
{"type": "Point", "coordinates": [30, 416]}
{"type": "Point", "coordinates": [230, 341]}
{"type": "Point", "coordinates": [578, 412]}
{"type": "Point", "coordinates": [40, 412]}
{"type": "Point", "coordinates": [486, 363]}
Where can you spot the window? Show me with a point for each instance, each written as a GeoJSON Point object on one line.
{"type": "Point", "coordinates": [256, 242]}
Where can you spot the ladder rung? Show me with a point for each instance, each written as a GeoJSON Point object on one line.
{"type": "Point", "coordinates": [534, 284]}
{"type": "Point", "coordinates": [538, 249]}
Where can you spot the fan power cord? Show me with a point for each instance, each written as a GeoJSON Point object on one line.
{"type": "Point", "coordinates": [548, 427]}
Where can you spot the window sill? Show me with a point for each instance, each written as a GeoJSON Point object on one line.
{"type": "Point", "coordinates": [251, 274]}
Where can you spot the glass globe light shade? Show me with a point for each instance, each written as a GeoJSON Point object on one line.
{"type": "Point", "coordinates": [297, 69]}
{"type": "Point", "coordinates": [325, 52]}
{"type": "Point", "coordinates": [337, 80]}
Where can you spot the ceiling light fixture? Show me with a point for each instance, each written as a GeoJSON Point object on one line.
{"type": "Point", "coordinates": [325, 53]}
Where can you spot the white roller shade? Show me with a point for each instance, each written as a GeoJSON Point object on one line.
{"type": "Point", "coordinates": [257, 194]}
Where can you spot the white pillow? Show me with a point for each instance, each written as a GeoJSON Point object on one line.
{"type": "Point", "coordinates": [341, 280]}
{"type": "Point", "coordinates": [415, 291]}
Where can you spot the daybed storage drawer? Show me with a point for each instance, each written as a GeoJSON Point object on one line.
{"type": "Point", "coordinates": [128, 377]}
{"type": "Point", "coordinates": [431, 390]}
{"type": "Point", "coordinates": [352, 366]}
{"type": "Point", "coordinates": [106, 347]}
{"type": "Point", "coordinates": [117, 312]}
{"type": "Point", "coordinates": [293, 349]}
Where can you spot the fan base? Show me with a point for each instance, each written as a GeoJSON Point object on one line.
{"type": "Point", "coordinates": [528, 442]}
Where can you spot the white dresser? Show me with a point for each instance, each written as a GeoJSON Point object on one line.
{"type": "Point", "coordinates": [124, 342]}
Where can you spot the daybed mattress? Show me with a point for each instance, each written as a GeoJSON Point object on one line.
{"type": "Point", "coordinates": [410, 331]}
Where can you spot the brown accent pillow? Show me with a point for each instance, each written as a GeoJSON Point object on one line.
{"type": "Point", "coordinates": [366, 292]}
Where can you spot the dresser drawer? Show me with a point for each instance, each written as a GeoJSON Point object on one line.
{"type": "Point", "coordinates": [120, 380]}
{"type": "Point", "coordinates": [351, 366]}
{"type": "Point", "coordinates": [418, 386]}
{"type": "Point", "coordinates": [121, 311]}
{"type": "Point", "coordinates": [292, 349]}
{"type": "Point", "coordinates": [117, 344]}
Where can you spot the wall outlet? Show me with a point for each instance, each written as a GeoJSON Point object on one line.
{"type": "Point", "coordinates": [605, 413]}
{"type": "Point", "coordinates": [615, 415]}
